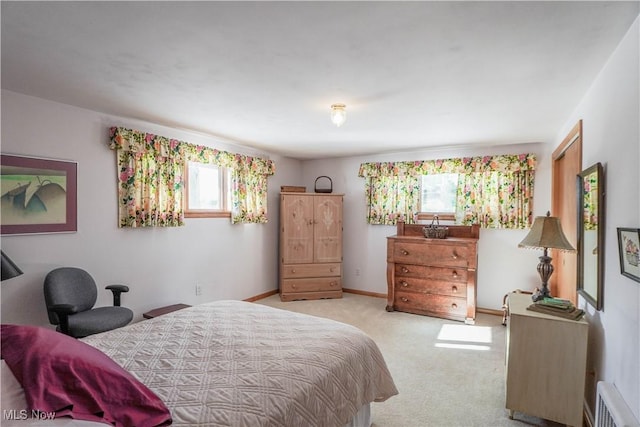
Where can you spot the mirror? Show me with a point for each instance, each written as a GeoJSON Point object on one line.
{"type": "Point", "coordinates": [591, 234]}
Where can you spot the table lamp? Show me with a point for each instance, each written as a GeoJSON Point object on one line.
{"type": "Point", "coordinates": [9, 268]}
{"type": "Point", "coordinates": [546, 233]}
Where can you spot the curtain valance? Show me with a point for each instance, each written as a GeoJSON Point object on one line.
{"type": "Point", "coordinates": [151, 182]}
{"type": "Point", "coordinates": [138, 142]}
{"type": "Point", "coordinates": [463, 165]}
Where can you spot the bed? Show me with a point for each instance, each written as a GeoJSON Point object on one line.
{"type": "Point", "coordinates": [234, 363]}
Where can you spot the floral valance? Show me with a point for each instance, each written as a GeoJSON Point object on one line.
{"type": "Point", "coordinates": [147, 143]}
{"type": "Point", "coordinates": [463, 165]}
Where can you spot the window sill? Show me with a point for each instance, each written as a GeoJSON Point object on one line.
{"type": "Point", "coordinates": [441, 216]}
{"type": "Point", "coordinates": [207, 214]}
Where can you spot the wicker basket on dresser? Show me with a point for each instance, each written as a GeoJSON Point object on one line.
{"type": "Point", "coordinates": [433, 277]}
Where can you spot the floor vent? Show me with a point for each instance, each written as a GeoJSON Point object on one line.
{"type": "Point", "coordinates": [611, 409]}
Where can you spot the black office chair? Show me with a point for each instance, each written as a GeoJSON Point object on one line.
{"type": "Point", "coordinates": [70, 294]}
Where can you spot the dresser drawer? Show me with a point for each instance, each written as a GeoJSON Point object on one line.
{"type": "Point", "coordinates": [436, 287]}
{"type": "Point", "coordinates": [435, 305]}
{"type": "Point", "coordinates": [433, 273]}
{"type": "Point", "coordinates": [290, 271]}
{"type": "Point", "coordinates": [312, 285]}
{"type": "Point", "coordinates": [440, 254]}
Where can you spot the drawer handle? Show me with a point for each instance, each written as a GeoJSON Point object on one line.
{"type": "Point", "coordinates": [293, 270]}
{"type": "Point", "coordinates": [294, 286]}
{"type": "Point", "coordinates": [454, 305]}
{"type": "Point", "coordinates": [404, 284]}
{"type": "Point", "coordinates": [405, 270]}
{"type": "Point", "coordinates": [455, 275]}
{"type": "Point", "coordinates": [454, 256]}
{"type": "Point", "coordinates": [454, 289]}
{"type": "Point", "coordinates": [331, 269]}
{"type": "Point", "coordinates": [333, 284]}
{"type": "Point", "coordinates": [404, 252]}
{"type": "Point", "coordinates": [404, 299]}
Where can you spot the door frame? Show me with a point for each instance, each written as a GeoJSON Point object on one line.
{"type": "Point", "coordinates": [558, 202]}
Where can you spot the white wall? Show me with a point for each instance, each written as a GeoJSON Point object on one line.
{"type": "Point", "coordinates": [610, 111]}
{"type": "Point", "coordinates": [161, 265]}
{"type": "Point", "coordinates": [502, 266]}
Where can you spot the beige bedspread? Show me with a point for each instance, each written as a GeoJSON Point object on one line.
{"type": "Point", "coordinates": [233, 363]}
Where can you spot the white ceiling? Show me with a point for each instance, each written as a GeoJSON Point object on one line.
{"type": "Point", "coordinates": [263, 74]}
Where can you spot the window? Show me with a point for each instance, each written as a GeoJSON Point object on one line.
{"type": "Point", "coordinates": [493, 191]}
{"type": "Point", "coordinates": [207, 191]}
{"type": "Point", "coordinates": [438, 195]}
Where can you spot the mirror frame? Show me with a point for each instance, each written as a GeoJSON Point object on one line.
{"type": "Point", "coordinates": [594, 300]}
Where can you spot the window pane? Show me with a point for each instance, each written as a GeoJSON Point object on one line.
{"type": "Point", "coordinates": [439, 192]}
{"type": "Point", "coordinates": [204, 187]}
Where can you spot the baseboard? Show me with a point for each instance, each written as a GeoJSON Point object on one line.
{"type": "Point", "coordinates": [366, 293]}
{"type": "Point", "coordinates": [489, 311]}
{"type": "Point", "coordinates": [261, 296]}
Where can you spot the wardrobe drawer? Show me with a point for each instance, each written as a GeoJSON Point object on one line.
{"type": "Point", "coordinates": [290, 271]}
{"type": "Point", "coordinates": [312, 285]}
{"type": "Point", "coordinates": [435, 287]}
{"type": "Point", "coordinates": [435, 305]}
{"type": "Point", "coordinates": [435, 253]}
{"type": "Point", "coordinates": [433, 273]}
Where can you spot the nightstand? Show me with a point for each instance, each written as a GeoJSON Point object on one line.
{"type": "Point", "coordinates": [164, 310]}
{"type": "Point", "coordinates": [546, 363]}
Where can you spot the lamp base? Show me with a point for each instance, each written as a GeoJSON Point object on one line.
{"type": "Point", "coordinates": [541, 294]}
{"type": "Point", "coordinates": [545, 269]}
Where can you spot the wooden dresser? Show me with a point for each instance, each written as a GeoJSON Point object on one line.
{"type": "Point", "coordinates": [310, 246]}
{"type": "Point", "coordinates": [546, 363]}
{"type": "Point", "coordinates": [433, 277]}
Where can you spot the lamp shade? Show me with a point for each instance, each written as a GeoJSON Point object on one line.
{"type": "Point", "coordinates": [9, 268]}
{"type": "Point", "coordinates": [546, 232]}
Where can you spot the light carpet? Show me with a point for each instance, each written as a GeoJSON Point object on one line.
{"type": "Point", "coordinates": [447, 373]}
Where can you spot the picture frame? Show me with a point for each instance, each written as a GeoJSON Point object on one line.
{"type": "Point", "coordinates": [38, 195]}
{"type": "Point", "coordinates": [629, 249]}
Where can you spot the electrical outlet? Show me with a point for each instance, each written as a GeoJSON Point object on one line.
{"type": "Point", "coordinates": [198, 290]}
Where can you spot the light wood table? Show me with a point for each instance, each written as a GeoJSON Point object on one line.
{"type": "Point", "coordinates": [545, 363]}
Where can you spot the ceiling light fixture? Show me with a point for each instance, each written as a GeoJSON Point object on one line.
{"type": "Point", "coordinates": [338, 114]}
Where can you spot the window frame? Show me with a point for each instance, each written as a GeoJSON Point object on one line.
{"type": "Point", "coordinates": [225, 189]}
{"type": "Point", "coordinates": [430, 215]}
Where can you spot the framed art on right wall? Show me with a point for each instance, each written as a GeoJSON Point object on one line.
{"type": "Point", "coordinates": [629, 248]}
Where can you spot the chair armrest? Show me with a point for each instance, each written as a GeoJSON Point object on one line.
{"type": "Point", "coordinates": [63, 311]}
{"type": "Point", "coordinates": [117, 290]}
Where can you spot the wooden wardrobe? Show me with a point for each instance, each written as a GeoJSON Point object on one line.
{"type": "Point", "coordinates": [310, 246]}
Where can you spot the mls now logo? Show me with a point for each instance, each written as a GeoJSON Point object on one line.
{"type": "Point", "coordinates": [23, 414]}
